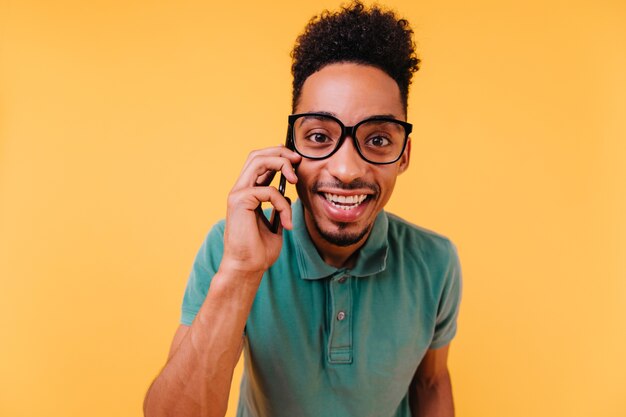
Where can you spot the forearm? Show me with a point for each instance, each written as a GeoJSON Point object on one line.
{"type": "Point", "coordinates": [196, 379]}
{"type": "Point", "coordinates": [432, 398]}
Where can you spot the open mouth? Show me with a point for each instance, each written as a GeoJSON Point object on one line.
{"type": "Point", "coordinates": [345, 202]}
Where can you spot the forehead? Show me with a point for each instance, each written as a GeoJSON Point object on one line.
{"type": "Point", "coordinates": [351, 92]}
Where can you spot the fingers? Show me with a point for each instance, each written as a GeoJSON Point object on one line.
{"type": "Point", "coordinates": [250, 199]}
{"type": "Point", "coordinates": [261, 166]}
{"type": "Point", "coordinates": [262, 169]}
{"type": "Point", "coordinates": [266, 179]}
{"type": "Point", "coordinates": [280, 150]}
{"type": "Point", "coordinates": [252, 187]}
{"type": "Point", "coordinates": [285, 217]}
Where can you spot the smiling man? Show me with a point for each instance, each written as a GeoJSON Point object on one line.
{"type": "Point", "coordinates": [347, 310]}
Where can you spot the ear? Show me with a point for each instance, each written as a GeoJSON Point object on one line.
{"type": "Point", "coordinates": [405, 158]}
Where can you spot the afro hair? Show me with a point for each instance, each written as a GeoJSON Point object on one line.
{"type": "Point", "coordinates": [368, 36]}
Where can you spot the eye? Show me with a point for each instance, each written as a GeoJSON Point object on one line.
{"type": "Point", "coordinates": [378, 141]}
{"type": "Point", "coordinates": [318, 137]}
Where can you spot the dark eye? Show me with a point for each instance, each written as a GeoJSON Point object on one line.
{"type": "Point", "coordinates": [318, 138]}
{"type": "Point", "coordinates": [378, 141]}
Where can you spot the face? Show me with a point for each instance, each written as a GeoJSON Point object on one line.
{"type": "Point", "coordinates": [343, 194]}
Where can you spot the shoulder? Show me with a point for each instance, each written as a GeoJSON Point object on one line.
{"type": "Point", "coordinates": [215, 236]}
{"type": "Point", "coordinates": [217, 230]}
{"type": "Point", "coordinates": [422, 242]}
{"type": "Point", "coordinates": [426, 256]}
{"type": "Point", "coordinates": [210, 253]}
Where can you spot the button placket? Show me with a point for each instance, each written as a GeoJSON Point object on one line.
{"type": "Point", "coordinates": [340, 339]}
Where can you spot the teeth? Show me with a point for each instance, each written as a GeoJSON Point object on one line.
{"type": "Point", "coordinates": [345, 202]}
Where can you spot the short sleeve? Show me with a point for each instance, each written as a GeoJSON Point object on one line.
{"type": "Point", "coordinates": [449, 302]}
{"type": "Point", "coordinates": [205, 266]}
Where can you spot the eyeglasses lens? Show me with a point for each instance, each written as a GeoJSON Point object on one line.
{"type": "Point", "coordinates": [378, 141]}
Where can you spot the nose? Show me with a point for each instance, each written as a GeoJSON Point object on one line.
{"type": "Point", "coordinates": [346, 164]}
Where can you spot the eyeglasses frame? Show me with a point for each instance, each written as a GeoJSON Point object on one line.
{"type": "Point", "coordinates": [348, 131]}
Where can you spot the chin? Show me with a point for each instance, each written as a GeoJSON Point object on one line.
{"type": "Point", "coordinates": [342, 237]}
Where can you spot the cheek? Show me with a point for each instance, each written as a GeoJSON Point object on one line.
{"type": "Point", "coordinates": [386, 177]}
{"type": "Point", "coordinates": [307, 172]}
{"type": "Point", "coordinates": [387, 182]}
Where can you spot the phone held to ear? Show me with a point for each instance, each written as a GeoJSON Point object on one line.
{"type": "Point", "coordinates": [274, 221]}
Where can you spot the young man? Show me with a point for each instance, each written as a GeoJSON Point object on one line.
{"type": "Point", "coordinates": [348, 310]}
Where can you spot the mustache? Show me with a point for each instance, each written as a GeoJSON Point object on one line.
{"type": "Point", "coordinates": [354, 185]}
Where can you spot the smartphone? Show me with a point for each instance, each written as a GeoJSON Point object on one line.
{"type": "Point", "coordinates": [274, 221]}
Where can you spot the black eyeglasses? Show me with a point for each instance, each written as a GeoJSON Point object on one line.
{"type": "Point", "coordinates": [378, 140]}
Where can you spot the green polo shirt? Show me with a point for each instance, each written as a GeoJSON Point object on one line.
{"type": "Point", "coordinates": [322, 341]}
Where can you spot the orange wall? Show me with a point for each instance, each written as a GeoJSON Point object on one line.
{"type": "Point", "coordinates": [124, 124]}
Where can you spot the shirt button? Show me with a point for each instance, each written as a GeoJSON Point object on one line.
{"type": "Point", "coordinates": [341, 315]}
{"type": "Point", "coordinates": [342, 279]}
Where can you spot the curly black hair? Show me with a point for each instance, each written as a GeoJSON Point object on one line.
{"type": "Point", "coordinates": [373, 36]}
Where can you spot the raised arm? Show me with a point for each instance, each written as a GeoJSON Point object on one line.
{"type": "Point", "coordinates": [197, 376]}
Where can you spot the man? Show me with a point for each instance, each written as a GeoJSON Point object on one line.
{"type": "Point", "coordinates": [348, 310]}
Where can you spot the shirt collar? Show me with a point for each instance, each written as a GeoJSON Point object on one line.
{"type": "Point", "coordinates": [372, 257]}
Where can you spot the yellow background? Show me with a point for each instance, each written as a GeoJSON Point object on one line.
{"type": "Point", "coordinates": [124, 124]}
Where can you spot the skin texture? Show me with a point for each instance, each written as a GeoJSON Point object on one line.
{"type": "Point", "coordinates": [197, 376]}
{"type": "Point", "coordinates": [350, 92]}
{"type": "Point", "coordinates": [430, 392]}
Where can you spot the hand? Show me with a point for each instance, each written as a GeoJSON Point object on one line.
{"type": "Point", "coordinates": [249, 246]}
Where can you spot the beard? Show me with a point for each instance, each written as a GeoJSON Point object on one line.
{"type": "Point", "coordinates": [341, 237]}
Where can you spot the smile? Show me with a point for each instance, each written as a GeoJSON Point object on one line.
{"type": "Point", "coordinates": [345, 202]}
